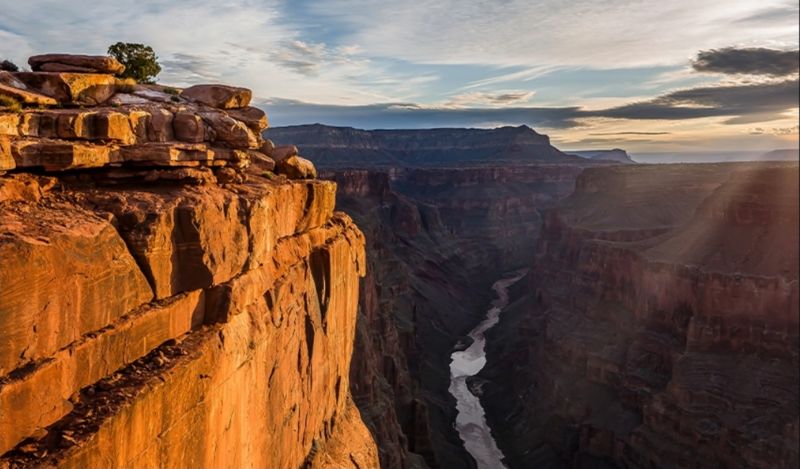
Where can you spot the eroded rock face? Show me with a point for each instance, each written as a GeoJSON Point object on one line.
{"type": "Point", "coordinates": [656, 330]}
{"type": "Point", "coordinates": [166, 305]}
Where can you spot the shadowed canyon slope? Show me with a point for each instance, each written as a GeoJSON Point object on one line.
{"type": "Point", "coordinates": [659, 324]}
{"type": "Point", "coordinates": [443, 220]}
{"type": "Point", "coordinates": [657, 328]}
{"type": "Point", "coordinates": [167, 299]}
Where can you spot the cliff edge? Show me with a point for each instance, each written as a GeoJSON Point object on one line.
{"type": "Point", "coordinates": [175, 291]}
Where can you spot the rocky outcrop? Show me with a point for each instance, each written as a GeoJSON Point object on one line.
{"type": "Point", "coordinates": [659, 326]}
{"type": "Point", "coordinates": [167, 303]}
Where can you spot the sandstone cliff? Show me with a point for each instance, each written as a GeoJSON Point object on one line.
{"type": "Point", "coordinates": [659, 325]}
{"type": "Point", "coordinates": [167, 299]}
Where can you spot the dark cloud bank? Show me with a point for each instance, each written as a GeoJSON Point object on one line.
{"type": "Point", "coordinates": [751, 61]}
{"type": "Point", "coordinates": [756, 102]}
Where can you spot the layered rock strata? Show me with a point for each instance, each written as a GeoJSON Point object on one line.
{"type": "Point", "coordinates": [166, 302]}
{"type": "Point", "coordinates": [659, 326]}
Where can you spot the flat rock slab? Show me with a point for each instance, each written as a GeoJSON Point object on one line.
{"type": "Point", "coordinates": [169, 153]}
{"type": "Point", "coordinates": [219, 96]}
{"type": "Point", "coordinates": [75, 63]}
{"type": "Point", "coordinates": [26, 97]}
{"type": "Point", "coordinates": [57, 155]}
{"type": "Point", "coordinates": [105, 124]}
{"type": "Point", "coordinates": [86, 88]}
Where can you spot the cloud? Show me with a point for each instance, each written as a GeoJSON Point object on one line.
{"type": "Point", "coordinates": [770, 15]}
{"type": "Point", "coordinates": [490, 98]}
{"type": "Point", "coordinates": [762, 101]}
{"type": "Point", "coordinates": [747, 103]}
{"type": "Point", "coordinates": [550, 33]}
{"type": "Point", "coordinates": [792, 130]}
{"type": "Point", "coordinates": [752, 61]}
{"type": "Point", "coordinates": [306, 58]}
{"type": "Point", "coordinates": [188, 67]}
{"type": "Point", "coordinates": [410, 115]}
{"type": "Point", "coordinates": [628, 133]}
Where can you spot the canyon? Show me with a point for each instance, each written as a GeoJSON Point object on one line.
{"type": "Point", "coordinates": [580, 369]}
{"type": "Point", "coordinates": [181, 288]}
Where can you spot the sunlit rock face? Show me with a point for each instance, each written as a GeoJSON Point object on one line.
{"type": "Point", "coordinates": [168, 303]}
{"type": "Point", "coordinates": [659, 324]}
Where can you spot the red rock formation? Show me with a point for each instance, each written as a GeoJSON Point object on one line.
{"type": "Point", "coordinates": [175, 306]}
{"type": "Point", "coordinates": [662, 330]}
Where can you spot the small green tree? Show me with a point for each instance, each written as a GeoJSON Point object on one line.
{"type": "Point", "coordinates": [140, 61]}
{"type": "Point", "coordinates": [8, 66]}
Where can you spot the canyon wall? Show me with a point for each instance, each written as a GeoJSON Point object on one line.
{"type": "Point", "coordinates": [168, 300]}
{"type": "Point", "coordinates": [658, 326]}
{"type": "Point", "coordinates": [437, 238]}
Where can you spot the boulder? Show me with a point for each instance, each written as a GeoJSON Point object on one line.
{"type": "Point", "coordinates": [189, 127]}
{"type": "Point", "coordinates": [267, 147]}
{"type": "Point", "coordinates": [253, 117]}
{"type": "Point", "coordinates": [75, 63]}
{"type": "Point", "coordinates": [151, 124]}
{"type": "Point", "coordinates": [281, 153]}
{"type": "Point", "coordinates": [81, 88]}
{"type": "Point", "coordinates": [262, 161]}
{"type": "Point", "coordinates": [296, 167]}
{"type": "Point", "coordinates": [229, 131]}
{"type": "Point", "coordinates": [219, 96]}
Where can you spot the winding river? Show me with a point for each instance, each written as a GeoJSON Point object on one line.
{"type": "Point", "coordinates": [471, 418]}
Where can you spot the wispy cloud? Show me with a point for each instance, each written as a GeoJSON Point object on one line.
{"type": "Point", "coordinates": [490, 98]}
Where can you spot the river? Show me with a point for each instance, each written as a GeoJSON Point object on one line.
{"type": "Point", "coordinates": [471, 418]}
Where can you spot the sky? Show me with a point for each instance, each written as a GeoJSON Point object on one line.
{"type": "Point", "coordinates": [643, 75]}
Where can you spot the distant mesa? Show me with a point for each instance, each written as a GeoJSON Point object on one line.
{"type": "Point", "coordinates": [341, 147]}
{"type": "Point", "coordinates": [616, 154]}
{"type": "Point", "coordinates": [786, 154]}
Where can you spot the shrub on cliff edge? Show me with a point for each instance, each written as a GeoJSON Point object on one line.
{"type": "Point", "coordinates": [140, 61]}
{"type": "Point", "coordinates": [8, 66]}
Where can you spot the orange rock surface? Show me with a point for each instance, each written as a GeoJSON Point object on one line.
{"type": "Point", "coordinates": [174, 306]}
